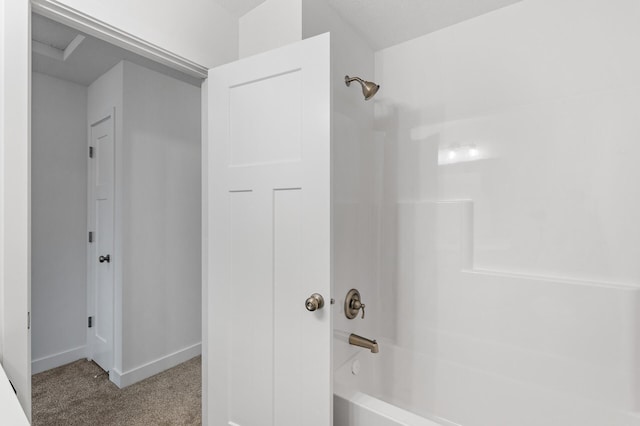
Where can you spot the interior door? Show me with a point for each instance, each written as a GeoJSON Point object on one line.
{"type": "Point", "coordinates": [101, 225]}
{"type": "Point", "coordinates": [268, 360]}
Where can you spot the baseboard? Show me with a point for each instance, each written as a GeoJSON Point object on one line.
{"type": "Point", "coordinates": [52, 361]}
{"type": "Point", "coordinates": [124, 379]}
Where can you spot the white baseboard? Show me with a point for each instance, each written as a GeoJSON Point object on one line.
{"type": "Point", "coordinates": [124, 379]}
{"type": "Point", "coordinates": [52, 361]}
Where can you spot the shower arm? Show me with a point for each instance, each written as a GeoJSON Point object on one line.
{"type": "Point", "coordinates": [348, 80]}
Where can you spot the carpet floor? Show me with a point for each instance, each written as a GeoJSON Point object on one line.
{"type": "Point", "coordinates": [69, 395]}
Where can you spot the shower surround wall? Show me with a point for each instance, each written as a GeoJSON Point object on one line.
{"type": "Point", "coordinates": [355, 174]}
{"type": "Point", "coordinates": [510, 227]}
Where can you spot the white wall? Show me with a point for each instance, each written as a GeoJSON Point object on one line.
{"type": "Point", "coordinates": [59, 221]}
{"type": "Point", "coordinates": [355, 157]}
{"type": "Point", "coordinates": [517, 264]}
{"type": "Point", "coordinates": [270, 25]}
{"type": "Point", "coordinates": [199, 30]}
{"type": "Point", "coordinates": [161, 247]}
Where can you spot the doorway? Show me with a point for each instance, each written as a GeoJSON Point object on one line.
{"type": "Point", "coordinates": [116, 147]}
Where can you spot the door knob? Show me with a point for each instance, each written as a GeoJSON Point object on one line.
{"type": "Point", "coordinates": [314, 302]}
{"type": "Point", "coordinates": [106, 258]}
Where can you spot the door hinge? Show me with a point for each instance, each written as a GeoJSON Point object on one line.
{"type": "Point", "coordinates": [90, 152]}
{"type": "Point", "coordinates": [28, 320]}
{"type": "Point", "coordinates": [90, 322]}
{"type": "Point", "coordinates": [90, 236]}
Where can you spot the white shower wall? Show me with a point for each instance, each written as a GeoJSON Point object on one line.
{"type": "Point", "coordinates": [355, 158]}
{"type": "Point", "coordinates": [510, 165]}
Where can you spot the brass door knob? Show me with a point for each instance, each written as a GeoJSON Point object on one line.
{"type": "Point", "coordinates": [314, 302]}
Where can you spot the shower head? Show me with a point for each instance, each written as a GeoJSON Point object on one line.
{"type": "Point", "coordinates": [369, 88]}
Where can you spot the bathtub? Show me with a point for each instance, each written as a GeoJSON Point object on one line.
{"type": "Point", "coordinates": [359, 409]}
{"type": "Point", "coordinates": [362, 395]}
{"type": "Point", "coordinates": [401, 387]}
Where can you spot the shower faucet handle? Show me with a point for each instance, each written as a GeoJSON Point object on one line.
{"type": "Point", "coordinates": [362, 307]}
{"type": "Point", "coordinates": [353, 304]}
{"type": "Point", "coordinates": [357, 305]}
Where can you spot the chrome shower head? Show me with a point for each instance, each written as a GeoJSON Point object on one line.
{"type": "Point", "coordinates": [369, 88]}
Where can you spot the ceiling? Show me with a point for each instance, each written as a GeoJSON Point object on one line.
{"type": "Point", "coordinates": [385, 23]}
{"type": "Point", "coordinates": [239, 7]}
{"type": "Point", "coordinates": [89, 60]}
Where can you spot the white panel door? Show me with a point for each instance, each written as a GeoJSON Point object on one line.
{"type": "Point", "coordinates": [101, 222]}
{"type": "Point", "coordinates": [268, 358]}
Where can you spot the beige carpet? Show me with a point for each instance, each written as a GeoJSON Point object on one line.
{"type": "Point", "coordinates": [69, 395]}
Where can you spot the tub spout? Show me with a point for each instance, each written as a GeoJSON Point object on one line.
{"type": "Point", "coordinates": [363, 342]}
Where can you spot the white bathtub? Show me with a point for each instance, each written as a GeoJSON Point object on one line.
{"type": "Point", "coordinates": [354, 408]}
{"type": "Point", "coordinates": [399, 387]}
{"type": "Point", "coordinates": [364, 399]}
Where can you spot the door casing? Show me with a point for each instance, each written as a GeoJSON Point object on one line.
{"type": "Point", "coordinates": [15, 196]}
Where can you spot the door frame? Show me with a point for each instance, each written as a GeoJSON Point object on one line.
{"type": "Point", "coordinates": [15, 196]}
{"type": "Point", "coordinates": [91, 247]}
{"type": "Point", "coordinates": [15, 169]}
